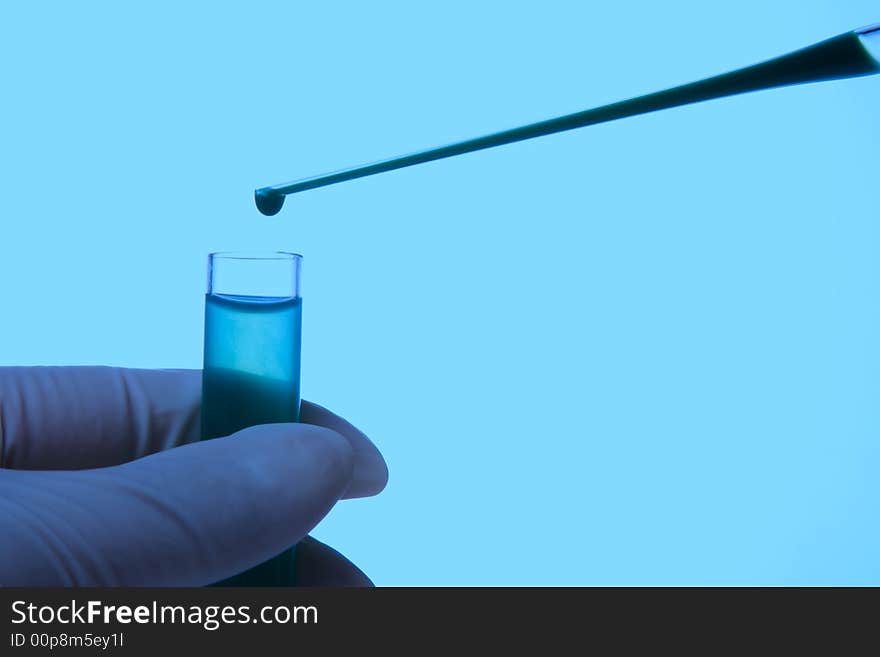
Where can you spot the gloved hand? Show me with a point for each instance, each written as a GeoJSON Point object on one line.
{"type": "Point", "coordinates": [103, 483]}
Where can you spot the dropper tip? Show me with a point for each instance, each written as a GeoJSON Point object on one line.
{"type": "Point", "coordinates": [268, 202]}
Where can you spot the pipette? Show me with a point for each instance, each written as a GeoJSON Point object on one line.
{"type": "Point", "coordinates": [851, 54]}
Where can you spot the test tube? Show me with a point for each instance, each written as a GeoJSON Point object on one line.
{"type": "Point", "coordinates": [253, 329]}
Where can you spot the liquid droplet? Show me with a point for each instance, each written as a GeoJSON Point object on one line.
{"type": "Point", "coordinates": [269, 203]}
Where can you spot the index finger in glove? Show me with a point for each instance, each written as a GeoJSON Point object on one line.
{"type": "Point", "coordinates": [71, 418]}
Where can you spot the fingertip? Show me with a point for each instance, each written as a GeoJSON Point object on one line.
{"type": "Point", "coordinates": [317, 564]}
{"type": "Point", "coordinates": [367, 482]}
{"type": "Point", "coordinates": [370, 474]}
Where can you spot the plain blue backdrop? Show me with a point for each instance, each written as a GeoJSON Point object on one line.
{"type": "Point", "coordinates": [646, 352]}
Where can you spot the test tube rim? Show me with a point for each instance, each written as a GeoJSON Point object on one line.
{"type": "Point", "coordinates": [256, 255]}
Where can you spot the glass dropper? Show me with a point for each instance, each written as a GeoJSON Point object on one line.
{"type": "Point", "coordinates": [851, 54]}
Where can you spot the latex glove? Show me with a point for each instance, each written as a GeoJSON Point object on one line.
{"type": "Point", "coordinates": [103, 482]}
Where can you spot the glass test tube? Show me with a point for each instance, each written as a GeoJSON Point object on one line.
{"type": "Point", "coordinates": [253, 328]}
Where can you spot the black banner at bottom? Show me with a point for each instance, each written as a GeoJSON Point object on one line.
{"type": "Point", "coordinates": [276, 621]}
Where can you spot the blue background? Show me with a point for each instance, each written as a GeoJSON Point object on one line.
{"type": "Point", "coordinates": [640, 353]}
